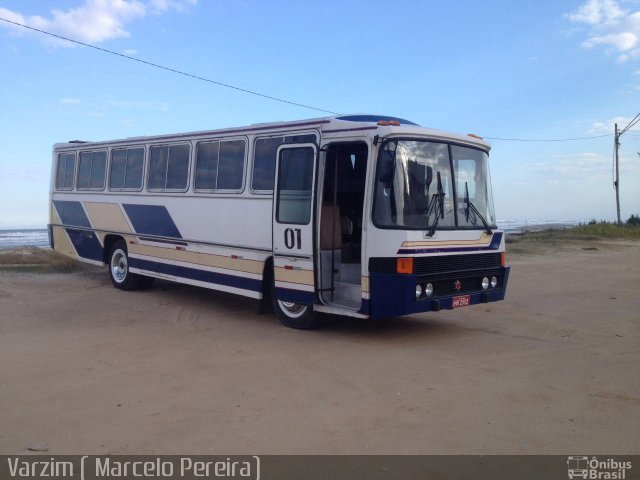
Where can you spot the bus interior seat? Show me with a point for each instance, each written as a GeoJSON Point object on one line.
{"type": "Point", "coordinates": [330, 213]}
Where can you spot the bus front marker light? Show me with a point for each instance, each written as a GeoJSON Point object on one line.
{"type": "Point", "coordinates": [404, 265]}
{"type": "Point", "coordinates": [494, 282]}
{"type": "Point", "coordinates": [418, 290]}
{"type": "Point", "coordinates": [428, 289]}
{"type": "Point", "coordinates": [485, 283]}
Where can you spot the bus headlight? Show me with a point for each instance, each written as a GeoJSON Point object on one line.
{"type": "Point", "coordinates": [418, 290]}
{"type": "Point", "coordinates": [485, 283]}
{"type": "Point", "coordinates": [428, 290]}
{"type": "Point", "coordinates": [494, 282]}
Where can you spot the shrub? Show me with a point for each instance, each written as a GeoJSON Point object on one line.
{"type": "Point", "coordinates": [634, 220]}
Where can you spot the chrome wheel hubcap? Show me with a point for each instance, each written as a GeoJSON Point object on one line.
{"type": "Point", "coordinates": [293, 310]}
{"type": "Point", "coordinates": [119, 266]}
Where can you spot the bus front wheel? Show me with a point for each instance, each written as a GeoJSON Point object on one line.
{"type": "Point", "coordinates": [294, 315]}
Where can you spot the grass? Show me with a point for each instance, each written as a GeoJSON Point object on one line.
{"type": "Point", "coordinates": [38, 260]}
{"type": "Point", "coordinates": [596, 236]}
{"type": "Point", "coordinates": [604, 230]}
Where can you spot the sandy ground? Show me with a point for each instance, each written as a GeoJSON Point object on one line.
{"type": "Point", "coordinates": [555, 368]}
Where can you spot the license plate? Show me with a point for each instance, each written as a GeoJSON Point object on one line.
{"type": "Point", "coordinates": [461, 301]}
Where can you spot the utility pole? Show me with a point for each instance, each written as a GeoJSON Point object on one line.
{"type": "Point", "coordinates": [616, 183]}
{"type": "Point", "coordinates": [616, 147]}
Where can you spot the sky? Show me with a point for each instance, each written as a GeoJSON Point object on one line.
{"type": "Point", "coordinates": [528, 70]}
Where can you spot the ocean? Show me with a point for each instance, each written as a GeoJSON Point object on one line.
{"type": "Point", "coordinates": [519, 226]}
{"type": "Point", "coordinates": [38, 237]}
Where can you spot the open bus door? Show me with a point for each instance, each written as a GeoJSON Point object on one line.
{"type": "Point", "coordinates": [293, 233]}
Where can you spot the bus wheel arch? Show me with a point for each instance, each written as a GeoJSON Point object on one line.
{"type": "Point", "coordinates": [109, 241]}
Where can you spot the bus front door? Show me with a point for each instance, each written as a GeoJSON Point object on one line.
{"type": "Point", "coordinates": [293, 224]}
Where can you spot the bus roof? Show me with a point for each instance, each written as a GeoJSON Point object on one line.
{"type": "Point", "coordinates": [339, 125]}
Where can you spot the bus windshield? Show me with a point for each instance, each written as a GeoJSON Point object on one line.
{"type": "Point", "coordinates": [415, 183]}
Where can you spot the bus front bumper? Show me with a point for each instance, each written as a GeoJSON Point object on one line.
{"type": "Point", "coordinates": [394, 295]}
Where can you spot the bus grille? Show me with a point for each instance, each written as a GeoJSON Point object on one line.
{"type": "Point", "coordinates": [453, 263]}
{"type": "Point", "coordinates": [457, 285]}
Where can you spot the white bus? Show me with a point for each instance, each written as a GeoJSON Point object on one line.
{"type": "Point", "coordinates": [360, 215]}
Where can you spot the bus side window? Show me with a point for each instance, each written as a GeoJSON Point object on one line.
{"type": "Point", "coordinates": [295, 184]}
{"type": "Point", "coordinates": [135, 162]}
{"type": "Point", "coordinates": [220, 165]}
{"type": "Point", "coordinates": [65, 171]}
{"type": "Point", "coordinates": [231, 165]}
{"type": "Point", "coordinates": [118, 166]}
{"type": "Point", "coordinates": [169, 167]}
{"type": "Point", "coordinates": [98, 169]}
{"type": "Point", "coordinates": [264, 163]}
{"type": "Point", "coordinates": [207, 154]}
{"type": "Point", "coordinates": [126, 168]}
{"type": "Point", "coordinates": [178, 167]}
{"type": "Point", "coordinates": [91, 170]}
{"type": "Point", "coordinates": [264, 158]}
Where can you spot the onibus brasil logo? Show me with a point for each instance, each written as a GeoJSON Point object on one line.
{"type": "Point", "coordinates": [596, 469]}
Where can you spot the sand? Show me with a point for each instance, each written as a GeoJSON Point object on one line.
{"type": "Point", "coordinates": [555, 368]}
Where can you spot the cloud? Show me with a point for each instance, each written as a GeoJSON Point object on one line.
{"type": "Point", "coordinates": [94, 21]}
{"type": "Point", "coordinates": [595, 12]}
{"type": "Point", "coordinates": [577, 166]}
{"type": "Point", "coordinates": [70, 101]}
{"type": "Point", "coordinates": [177, 5]}
{"type": "Point", "coordinates": [609, 125]}
{"type": "Point", "coordinates": [610, 26]}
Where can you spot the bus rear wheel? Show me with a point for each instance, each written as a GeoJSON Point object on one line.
{"type": "Point", "coordinates": [294, 315]}
{"type": "Point", "coordinates": [119, 273]}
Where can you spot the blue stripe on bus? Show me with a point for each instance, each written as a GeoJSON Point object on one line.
{"type": "Point", "coordinates": [71, 213]}
{"type": "Point", "coordinates": [86, 244]}
{"type": "Point", "coordinates": [195, 274]}
{"type": "Point", "coordinates": [151, 220]}
{"type": "Point", "coordinates": [295, 296]}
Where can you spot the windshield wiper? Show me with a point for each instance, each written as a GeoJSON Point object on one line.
{"type": "Point", "coordinates": [437, 206]}
{"type": "Point", "coordinates": [470, 208]}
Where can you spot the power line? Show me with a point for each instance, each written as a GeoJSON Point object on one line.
{"type": "Point", "coordinates": [169, 69]}
{"type": "Point", "coordinates": [635, 120]}
{"type": "Point", "coordinates": [548, 139]}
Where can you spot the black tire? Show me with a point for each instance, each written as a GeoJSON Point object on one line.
{"type": "Point", "coordinates": [119, 273]}
{"type": "Point", "coordinates": [146, 282]}
{"type": "Point", "coordinates": [294, 315]}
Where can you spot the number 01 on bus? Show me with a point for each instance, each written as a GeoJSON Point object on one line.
{"type": "Point", "coordinates": [361, 215]}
